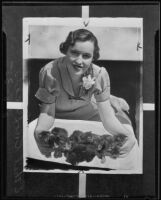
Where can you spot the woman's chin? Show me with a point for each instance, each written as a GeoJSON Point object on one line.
{"type": "Point", "coordinates": [78, 71]}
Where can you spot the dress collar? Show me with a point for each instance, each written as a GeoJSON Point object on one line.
{"type": "Point", "coordinates": [66, 80]}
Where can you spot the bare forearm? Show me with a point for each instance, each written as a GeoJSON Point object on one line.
{"type": "Point", "coordinates": [109, 120]}
{"type": "Point", "coordinates": [44, 123]}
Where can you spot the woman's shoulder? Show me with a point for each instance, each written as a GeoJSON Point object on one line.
{"type": "Point", "coordinates": [53, 63]}
{"type": "Point", "coordinates": [98, 71]}
{"type": "Point", "coordinates": [52, 66]}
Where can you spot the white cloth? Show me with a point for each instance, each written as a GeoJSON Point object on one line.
{"type": "Point", "coordinates": [130, 162]}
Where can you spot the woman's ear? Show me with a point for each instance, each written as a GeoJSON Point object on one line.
{"type": "Point", "coordinates": [61, 47]}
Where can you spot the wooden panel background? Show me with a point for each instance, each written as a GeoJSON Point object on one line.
{"type": "Point", "coordinates": [46, 185]}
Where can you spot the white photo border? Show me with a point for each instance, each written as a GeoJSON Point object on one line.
{"type": "Point", "coordinates": [100, 22]}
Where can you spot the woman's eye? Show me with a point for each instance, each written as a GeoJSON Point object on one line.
{"type": "Point", "coordinates": [86, 56]}
{"type": "Point", "coordinates": [75, 53]}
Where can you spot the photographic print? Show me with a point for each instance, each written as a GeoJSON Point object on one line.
{"type": "Point", "coordinates": [82, 91]}
{"type": "Point", "coordinates": [82, 104]}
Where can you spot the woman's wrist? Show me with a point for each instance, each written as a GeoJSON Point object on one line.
{"type": "Point", "coordinates": [40, 130]}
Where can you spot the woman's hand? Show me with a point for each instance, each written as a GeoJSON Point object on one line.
{"type": "Point", "coordinates": [127, 147]}
{"type": "Point", "coordinates": [46, 118]}
{"type": "Point", "coordinates": [119, 103]}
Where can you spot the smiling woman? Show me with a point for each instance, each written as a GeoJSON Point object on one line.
{"type": "Point", "coordinates": [72, 87]}
{"type": "Point", "coordinates": [80, 55]}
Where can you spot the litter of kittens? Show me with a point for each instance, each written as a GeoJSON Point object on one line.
{"type": "Point", "coordinates": [80, 146]}
{"type": "Point", "coordinates": [79, 143]}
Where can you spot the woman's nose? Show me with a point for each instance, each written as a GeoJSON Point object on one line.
{"type": "Point", "coordinates": [79, 60]}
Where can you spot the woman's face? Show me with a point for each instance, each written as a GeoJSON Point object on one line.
{"type": "Point", "coordinates": [80, 56]}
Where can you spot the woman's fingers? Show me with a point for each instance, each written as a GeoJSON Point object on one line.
{"type": "Point", "coordinates": [127, 147]}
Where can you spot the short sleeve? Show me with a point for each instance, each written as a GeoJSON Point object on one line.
{"type": "Point", "coordinates": [48, 86]}
{"type": "Point", "coordinates": [102, 86]}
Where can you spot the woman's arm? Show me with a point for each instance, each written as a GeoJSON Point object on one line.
{"type": "Point", "coordinates": [109, 120]}
{"type": "Point", "coordinates": [44, 123]}
{"type": "Point", "coordinates": [113, 125]}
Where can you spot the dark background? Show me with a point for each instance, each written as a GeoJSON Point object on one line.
{"type": "Point", "coordinates": [55, 185]}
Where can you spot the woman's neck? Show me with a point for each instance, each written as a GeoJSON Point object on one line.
{"type": "Point", "coordinates": [75, 77]}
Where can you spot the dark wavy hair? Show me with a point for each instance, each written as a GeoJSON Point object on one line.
{"type": "Point", "coordinates": [80, 35]}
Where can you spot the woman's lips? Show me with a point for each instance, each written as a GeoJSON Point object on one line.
{"type": "Point", "coordinates": [77, 67]}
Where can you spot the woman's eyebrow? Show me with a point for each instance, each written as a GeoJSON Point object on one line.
{"type": "Point", "coordinates": [77, 51]}
{"type": "Point", "coordinates": [87, 54]}
{"type": "Point", "coordinates": [73, 50]}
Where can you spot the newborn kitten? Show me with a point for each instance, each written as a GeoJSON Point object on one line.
{"type": "Point", "coordinates": [53, 141]}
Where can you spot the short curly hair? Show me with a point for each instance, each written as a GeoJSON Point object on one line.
{"type": "Point", "coordinates": [80, 35]}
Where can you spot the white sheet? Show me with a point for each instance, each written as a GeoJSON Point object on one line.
{"type": "Point", "coordinates": [130, 162]}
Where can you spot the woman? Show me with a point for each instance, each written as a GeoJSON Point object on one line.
{"type": "Point", "coordinates": [72, 87]}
